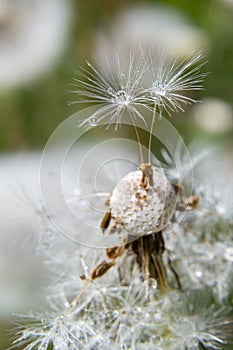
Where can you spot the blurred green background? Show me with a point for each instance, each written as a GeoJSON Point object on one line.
{"type": "Point", "coordinates": [29, 112]}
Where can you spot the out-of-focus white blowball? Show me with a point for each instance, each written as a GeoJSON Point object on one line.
{"type": "Point", "coordinates": [153, 25]}
{"type": "Point", "coordinates": [32, 35]}
{"type": "Point", "coordinates": [227, 3]}
{"type": "Point", "coordinates": [213, 115]}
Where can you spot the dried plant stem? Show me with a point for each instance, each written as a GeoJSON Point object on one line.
{"type": "Point", "coordinates": [77, 298]}
{"type": "Point", "coordinates": [98, 271]}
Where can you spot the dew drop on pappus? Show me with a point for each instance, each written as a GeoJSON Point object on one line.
{"type": "Point", "coordinates": [228, 255]}
{"type": "Point", "coordinates": [93, 121]}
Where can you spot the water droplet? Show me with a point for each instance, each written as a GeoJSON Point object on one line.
{"type": "Point", "coordinates": [26, 334]}
{"type": "Point", "coordinates": [210, 279]}
{"type": "Point", "coordinates": [156, 340]}
{"type": "Point", "coordinates": [104, 290]}
{"type": "Point", "coordinates": [199, 274]}
{"type": "Point", "coordinates": [59, 318]}
{"type": "Point", "coordinates": [115, 314]}
{"type": "Point", "coordinates": [76, 192]}
{"type": "Point", "coordinates": [153, 284]}
{"type": "Point", "coordinates": [228, 255]}
{"type": "Point", "coordinates": [220, 209]}
{"type": "Point", "coordinates": [158, 88]}
{"type": "Point", "coordinates": [93, 121]}
{"type": "Point", "coordinates": [110, 91]}
{"type": "Point", "coordinates": [49, 234]}
{"type": "Point", "coordinates": [82, 202]}
{"type": "Point", "coordinates": [121, 97]}
{"type": "Point", "coordinates": [121, 94]}
{"type": "Point", "coordinates": [59, 343]}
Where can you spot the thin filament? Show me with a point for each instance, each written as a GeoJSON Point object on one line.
{"type": "Point", "coordinates": [76, 299]}
{"type": "Point", "coordinates": [138, 139]}
{"type": "Point", "coordinates": [150, 137]}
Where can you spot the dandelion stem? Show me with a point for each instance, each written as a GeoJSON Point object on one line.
{"type": "Point", "coordinates": [150, 137]}
{"type": "Point", "coordinates": [138, 139]}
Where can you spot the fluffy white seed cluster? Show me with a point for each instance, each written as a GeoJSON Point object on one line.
{"type": "Point", "coordinates": [138, 82]}
{"type": "Point", "coordinates": [116, 314]}
{"type": "Point", "coordinates": [119, 311]}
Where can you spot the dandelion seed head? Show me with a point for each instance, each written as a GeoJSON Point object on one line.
{"type": "Point", "coordinates": [117, 90]}
{"type": "Point", "coordinates": [142, 83]}
{"type": "Point", "coordinates": [143, 210]}
{"type": "Point", "coordinates": [171, 81]}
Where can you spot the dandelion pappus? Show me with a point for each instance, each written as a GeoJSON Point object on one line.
{"type": "Point", "coordinates": [143, 203]}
